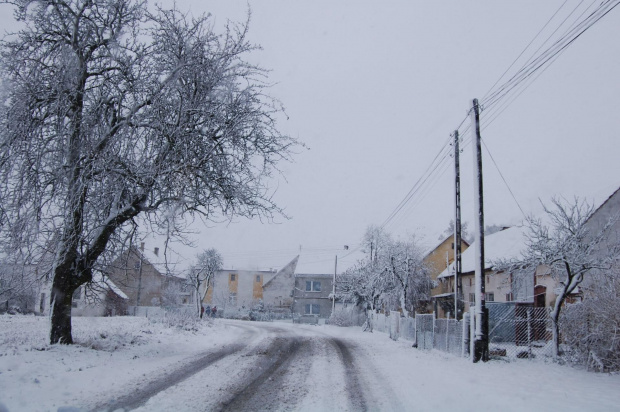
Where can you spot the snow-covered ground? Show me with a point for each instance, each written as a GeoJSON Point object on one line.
{"type": "Point", "coordinates": [114, 355]}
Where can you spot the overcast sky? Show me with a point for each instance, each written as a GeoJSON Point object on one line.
{"type": "Point", "coordinates": [374, 89]}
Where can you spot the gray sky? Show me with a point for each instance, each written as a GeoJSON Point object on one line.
{"type": "Point", "coordinates": [374, 89]}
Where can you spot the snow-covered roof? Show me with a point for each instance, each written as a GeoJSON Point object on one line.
{"type": "Point", "coordinates": [103, 281]}
{"type": "Point", "coordinates": [505, 244]}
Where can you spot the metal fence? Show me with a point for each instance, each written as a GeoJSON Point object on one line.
{"type": "Point", "coordinates": [517, 330]}
{"type": "Point", "coordinates": [448, 336]}
{"type": "Point", "coordinates": [425, 331]}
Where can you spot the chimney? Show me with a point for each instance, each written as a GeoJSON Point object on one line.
{"type": "Point", "coordinates": [142, 246]}
{"type": "Point", "coordinates": [156, 251]}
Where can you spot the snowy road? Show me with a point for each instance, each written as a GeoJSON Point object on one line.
{"type": "Point", "coordinates": [271, 367]}
{"type": "Point", "coordinates": [128, 363]}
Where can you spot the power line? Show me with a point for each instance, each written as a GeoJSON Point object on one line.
{"type": "Point", "coordinates": [502, 176]}
{"type": "Point", "coordinates": [549, 54]}
{"type": "Point", "coordinates": [523, 51]}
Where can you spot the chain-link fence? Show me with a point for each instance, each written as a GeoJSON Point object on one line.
{"type": "Point", "coordinates": [517, 330]}
{"type": "Point", "coordinates": [425, 330]}
{"type": "Point", "coordinates": [449, 336]}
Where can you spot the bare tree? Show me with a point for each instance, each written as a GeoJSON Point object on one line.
{"type": "Point", "coordinates": [110, 113]}
{"type": "Point", "coordinates": [208, 262]}
{"type": "Point", "coordinates": [465, 235]}
{"type": "Point", "coordinates": [361, 285]}
{"type": "Point", "coordinates": [394, 274]}
{"type": "Point", "coordinates": [567, 249]}
{"type": "Point", "coordinates": [412, 281]}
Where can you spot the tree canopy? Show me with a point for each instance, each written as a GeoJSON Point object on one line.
{"type": "Point", "coordinates": [110, 112]}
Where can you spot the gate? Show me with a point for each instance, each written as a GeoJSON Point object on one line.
{"type": "Point", "coordinates": [424, 330]}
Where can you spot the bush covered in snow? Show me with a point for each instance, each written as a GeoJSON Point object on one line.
{"type": "Point", "coordinates": [591, 329]}
{"type": "Point", "coordinates": [181, 318]}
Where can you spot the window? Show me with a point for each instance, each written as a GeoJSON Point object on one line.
{"type": "Point", "coordinates": [257, 278]}
{"type": "Point", "coordinates": [472, 298]}
{"type": "Point", "coordinates": [490, 297]}
{"type": "Point", "coordinates": [313, 286]}
{"type": "Point", "coordinates": [232, 277]}
{"type": "Point", "coordinates": [508, 297]}
{"type": "Point", "coordinates": [232, 298]}
{"type": "Point", "coordinates": [313, 309]}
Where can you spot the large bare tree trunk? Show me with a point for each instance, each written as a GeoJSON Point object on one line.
{"type": "Point", "coordinates": [62, 293]}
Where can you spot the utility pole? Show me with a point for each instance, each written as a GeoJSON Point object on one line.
{"type": "Point", "coordinates": [458, 286]}
{"type": "Point", "coordinates": [481, 339]}
{"type": "Point", "coordinates": [334, 286]}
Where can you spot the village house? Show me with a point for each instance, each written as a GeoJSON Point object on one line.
{"type": "Point", "coordinates": [313, 297]}
{"type": "Point", "coordinates": [236, 292]}
{"type": "Point", "coordinates": [499, 286]}
{"type": "Point", "coordinates": [148, 278]}
{"type": "Point", "coordinates": [437, 260]}
{"type": "Point", "coordinates": [537, 289]}
{"type": "Point", "coordinates": [101, 297]}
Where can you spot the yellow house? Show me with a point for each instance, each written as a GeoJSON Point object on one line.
{"type": "Point", "coordinates": [499, 286]}
{"type": "Point", "coordinates": [437, 260]}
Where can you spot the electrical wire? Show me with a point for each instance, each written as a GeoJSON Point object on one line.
{"type": "Point", "coordinates": [524, 50]}
{"type": "Point", "coordinates": [504, 179]}
{"type": "Point", "coordinates": [550, 53]}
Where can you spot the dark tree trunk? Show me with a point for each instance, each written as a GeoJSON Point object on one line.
{"type": "Point", "coordinates": [62, 293]}
{"type": "Point", "coordinates": [68, 276]}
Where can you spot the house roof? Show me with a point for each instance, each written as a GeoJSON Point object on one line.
{"type": "Point", "coordinates": [603, 203]}
{"type": "Point", "coordinates": [505, 244]}
{"type": "Point", "coordinates": [289, 268]}
{"type": "Point", "coordinates": [430, 249]}
{"type": "Point", "coordinates": [163, 258]}
{"type": "Point", "coordinates": [104, 281]}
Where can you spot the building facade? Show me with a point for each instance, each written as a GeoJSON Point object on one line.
{"type": "Point", "coordinates": [236, 292]}
{"type": "Point", "coordinates": [313, 295]}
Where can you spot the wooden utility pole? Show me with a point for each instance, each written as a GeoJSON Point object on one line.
{"type": "Point", "coordinates": [334, 286]}
{"type": "Point", "coordinates": [481, 339]}
{"type": "Point", "coordinates": [458, 287]}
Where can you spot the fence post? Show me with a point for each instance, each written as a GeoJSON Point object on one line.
{"type": "Point", "coordinates": [472, 331]}
{"type": "Point", "coordinates": [465, 335]}
{"type": "Point", "coordinates": [529, 331]}
{"type": "Point", "coordinates": [415, 329]}
{"type": "Point", "coordinates": [447, 334]}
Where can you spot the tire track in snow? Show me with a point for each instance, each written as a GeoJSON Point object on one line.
{"type": "Point", "coordinates": [195, 365]}
{"type": "Point", "coordinates": [365, 386]}
{"type": "Point", "coordinates": [265, 385]}
{"type": "Point", "coordinates": [353, 385]}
